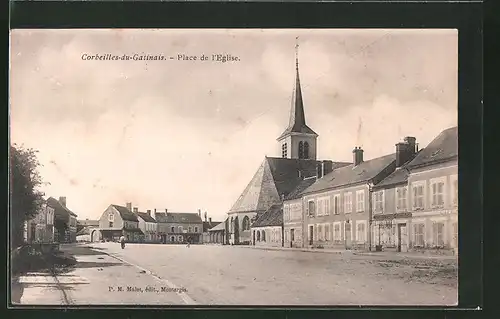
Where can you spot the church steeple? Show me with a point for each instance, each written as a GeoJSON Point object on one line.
{"type": "Point", "coordinates": [297, 126]}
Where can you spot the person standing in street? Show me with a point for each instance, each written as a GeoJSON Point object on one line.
{"type": "Point", "coordinates": [122, 241]}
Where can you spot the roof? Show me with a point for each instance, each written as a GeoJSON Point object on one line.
{"type": "Point", "coordinates": [209, 225]}
{"type": "Point", "coordinates": [443, 148]}
{"type": "Point", "coordinates": [146, 217]}
{"type": "Point", "coordinates": [297, 123]}
{"type": "Point", "coordinates": [399, 176]}
{"type": "Point", "coordinates": [59, 209]}
{"type": "Point", "coordinates": [178, 218]}
{"type": "Point", "coordinates": [125, 213]}
{"type": "Point", "coordinates": [272, 217]}
{"type": "Point", "coordinates": [89, 222]}
{"type": "Point", "coordinates": [219, 227]}
{"type": "Point", "coordinates": [296, 193]}
{"type": "Point", "coordinates": [83, 231]}
{"type": "Point", "coordinates": [349, 175]}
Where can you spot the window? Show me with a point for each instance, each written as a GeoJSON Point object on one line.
{"type": "Point", "coordinates": [180, 229]}
{"type": "Point", "coordinates": [336, 204]}
{"type": "Point", "coordinates": [348, 202]}
{"type": "Point", "coordinates": [306, 150]}
{"type": "Point", "coordinates": [438, 234]}
{"type": "Point", "coordinates": [454, 194]}
{"type": "Point", "coordinates": [284, 150]}
{"type": "Point", "coordinates": [379, 201]}
{"type": "Point", "coordinates": [323, 206]}
{"type": "Point", "coordinates": [401, 198]}
{"type": "Point", "coordinates": [437, 193]}
{"type": "Point", "coordinates": [180, 238]}
{"type": "Point", "coordinates": [286, 213]}
{"type": "Point", "coordinates": [418, 235]}
{"type": "Point", "coordinates": [292, 234]}
{"type": "Point", "coordinates": [361, 232]}
{"type": "Point", "coordinates": [111, 217]}
{"type": "Point", "coordinates": [311, 208]}
{"type": "Point", "coordinates": [418, 196]}
{"type": "Point", "coordinates": [327, 233]}
{"type": "Point", "coordinates": [258, 235]}
{"type": "Point", "coordinates": [172, 238]}
{"type": "Point", "coordinates": [110, 224]}
{"type": "Point", "coordinates": [301, 150]}
{"type": "Point", "coordinates": [189, 229]}
{"type": "Point", "coordinates": [263, 235]}
{"type": "Point", "coordinates": [320, 233]}
{"type": "Point", "coordinates": [195, 229]}
{"type": "Point", "coordinates": [360, 201]}
{"type": "Point", "coordinates": [336, 232]}
{"type": "Point", "coordinates": [172, 229]}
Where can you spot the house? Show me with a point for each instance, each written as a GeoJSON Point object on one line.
{"type": "Point", "coordinates": [88, 230]}
{"type": "Point", "coordinates": [390, 210]}
{"type": "Point", "coordinates": [217, 234]}
{"type": "Point", "coordinates": [337, 206]}
{"type": "Point", "coordinates": [276, 177]}
{"type": "Point", "coordinates": [40, 228]}
{"type": "Point", "coordinates": [292, 214]}
{"type": "Point", "coordinates": [433, 195]}
{"type": "Point", "coordinates": [179, 227]}
{"type": "Point", "coordinates": [148, 226]}
{"type": "Point", "coordinates": [207, 225]}
{"type": "Point", "coordinates": [118, 220]}
{"type": "Point", "coordinates": [267, 230]}
{"type": "Point", "coordinates": [65, 221]}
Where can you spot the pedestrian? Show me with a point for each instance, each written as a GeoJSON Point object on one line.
{"type": "Point", "coordinates": [122, 241]}
{"type": "Point", "coordinates": [188, 242]}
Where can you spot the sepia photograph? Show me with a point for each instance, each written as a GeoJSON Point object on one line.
{"type": "Point", "coordinates": [233, 167]}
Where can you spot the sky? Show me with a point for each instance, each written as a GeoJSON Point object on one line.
{"type": "Point", "coordinates": [185, 135]}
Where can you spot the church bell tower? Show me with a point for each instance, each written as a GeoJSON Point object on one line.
{"type": "Point", "coordinates": [298, 141]}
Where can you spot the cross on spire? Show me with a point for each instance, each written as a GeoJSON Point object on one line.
{"type": "Point", "coordinates": [297, 53]}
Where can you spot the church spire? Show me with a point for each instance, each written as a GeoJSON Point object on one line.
{"type": "Point", "coordinates": [297, 122]}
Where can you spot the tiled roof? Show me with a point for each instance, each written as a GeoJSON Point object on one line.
{"type": "Point", "coordinates": [444, 147]}
{"type": "Point", "coordinates": [399, 176]}
{"type": "Point", "coordinates": [272, 217]}
{"type": "Point", "coordinates": [146, 217]}
{"type": "Point", "coordinates": [59, 209]}
{"type": "Point", "coordinates": [89, 222]}
{"type": "Point", "coordinates": [178, 218]}
{"type": "Point", "coordinates": [349, 175]}
{"type": "Point", "coordinates": [209, 225]}
{"type": "Point", "coordinates": [296, 193]}
{"type": "Point", "coordinates": [125, 213]}
{"type": "Point", "coordinates": [219, 227]}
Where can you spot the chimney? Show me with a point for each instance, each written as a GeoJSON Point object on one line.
{"type": "Point", "coordinates": [205, 216]}
{"type": "Point", "coordinates": [357, 156]}
{"type": "Point", "coordinates": [166, 210]}
{"type": "Point", "coordinates": [319, 170]}
{"type": "Point", "coordinates": [327, 167]}
{"type": "Point", "coordinates": [210, 221]}
{"type": "Point", "coordinates": [405, 151]}
{"type": "Point", "coordinates": [136, 209]}
{"type": "Point", "coordinates": [129, 206]}
{"type": "Point", "coordinates": [62, 200]}
{"type": "Point", "coordinates": [149, 212]}
{"type": "Point", "coordinates": [199, 212]}
{"type": "Point", "coordinates": [155, 210]}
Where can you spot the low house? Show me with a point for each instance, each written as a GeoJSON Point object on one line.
{"type": "Point", "coordinates": [88, 230]}
{"type": "Point", "coordinates": [118, 220]}
{"type": "Point", "coordinates": [148, 226]}
{"type": "Point", "coordinates": [179, 227]}
{"type": "Point", "coordinates": [207, 225]}
{"type": "Point", "coordinates": [267, 230]}
{"type": "Point", "coordinates": [217, 234]}
{"type": "Point", "coordinates": [391, 213]}
{"type": "Point", "coordinates": [433, 195]}
{"type": "Point", "coordinates": [337, 206]}
{"type": "Point", "coordinates": [65, 221]}
{"type": "Point", "coordinates": [40, 229]}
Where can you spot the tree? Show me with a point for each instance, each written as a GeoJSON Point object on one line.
{"type": "Point", "coordinates": [25, 197]}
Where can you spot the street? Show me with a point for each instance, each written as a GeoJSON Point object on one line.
{"type": "Point", "coordinates": [225, 275]}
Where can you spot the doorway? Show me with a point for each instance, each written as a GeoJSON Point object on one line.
{"type": "Point", "coordinates": [402, 238]}
{"type": "Point", "coordinates": [236, 231]}
{"type": "Point", "coordinates": [311, 235]}
{"type": "Point", "coordinates": [347, 234]}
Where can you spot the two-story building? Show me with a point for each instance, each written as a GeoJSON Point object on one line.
{"type": "Point", "coordinates": [179, 227]}
{"type": "Point", "coordinates": [391, 213]}
{"type": "Point", "coordinates": [40, 228]}
{"type": "Point", "coordinates": [337, 206]}
{"type": "Point", "coordinates": [267, 230]}
{"type": "Point", "coordinates": [118, 220]}
{"type": "Point", "coordinates": [148, 226]}
{"type": "Point", "coordinates": [65, 221]}
{"type": "Point", "coordinates": [433, 194]}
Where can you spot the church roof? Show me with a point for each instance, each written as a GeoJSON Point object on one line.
{"type": "Point", "coordinates": [272, 217]}
{"type": "Point", "coordinates": [443, 148]}
{"type": "Point", "coordinates": [297, 123]}
{"type": "Point", "coordinates": [275, 177]}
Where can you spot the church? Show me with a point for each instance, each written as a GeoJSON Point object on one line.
{"type": "Point", "coordinates": [277, 177]}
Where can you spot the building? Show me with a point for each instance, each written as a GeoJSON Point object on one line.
{"type": "Point", "coordinates": [207, 225]}
{"type": "Point", "coordinates": [118, 220]}
{"type": "Point", "coordinates": [148, 226]}
{"type": "Point", "coordinates": [277, 177]}
{"type": "Point", "coordinates": [433, 195]}
{"type": "Point", "coordinates": [390, 210]}
{"type": "Point", "coordinates": [337, 206]}
{"type": "Point", "coordinates": [174, 228]}
{"type": "Point", "coordinates": [88, 230]}
{"type": "Point", "coordinates": [40, 229]}
{"type": "Point", "coordinates": [267, 230]}
{"type": "Point", "coordinates": [217, 234]}
{"type": "Point", "coordinates": [65, 221]}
